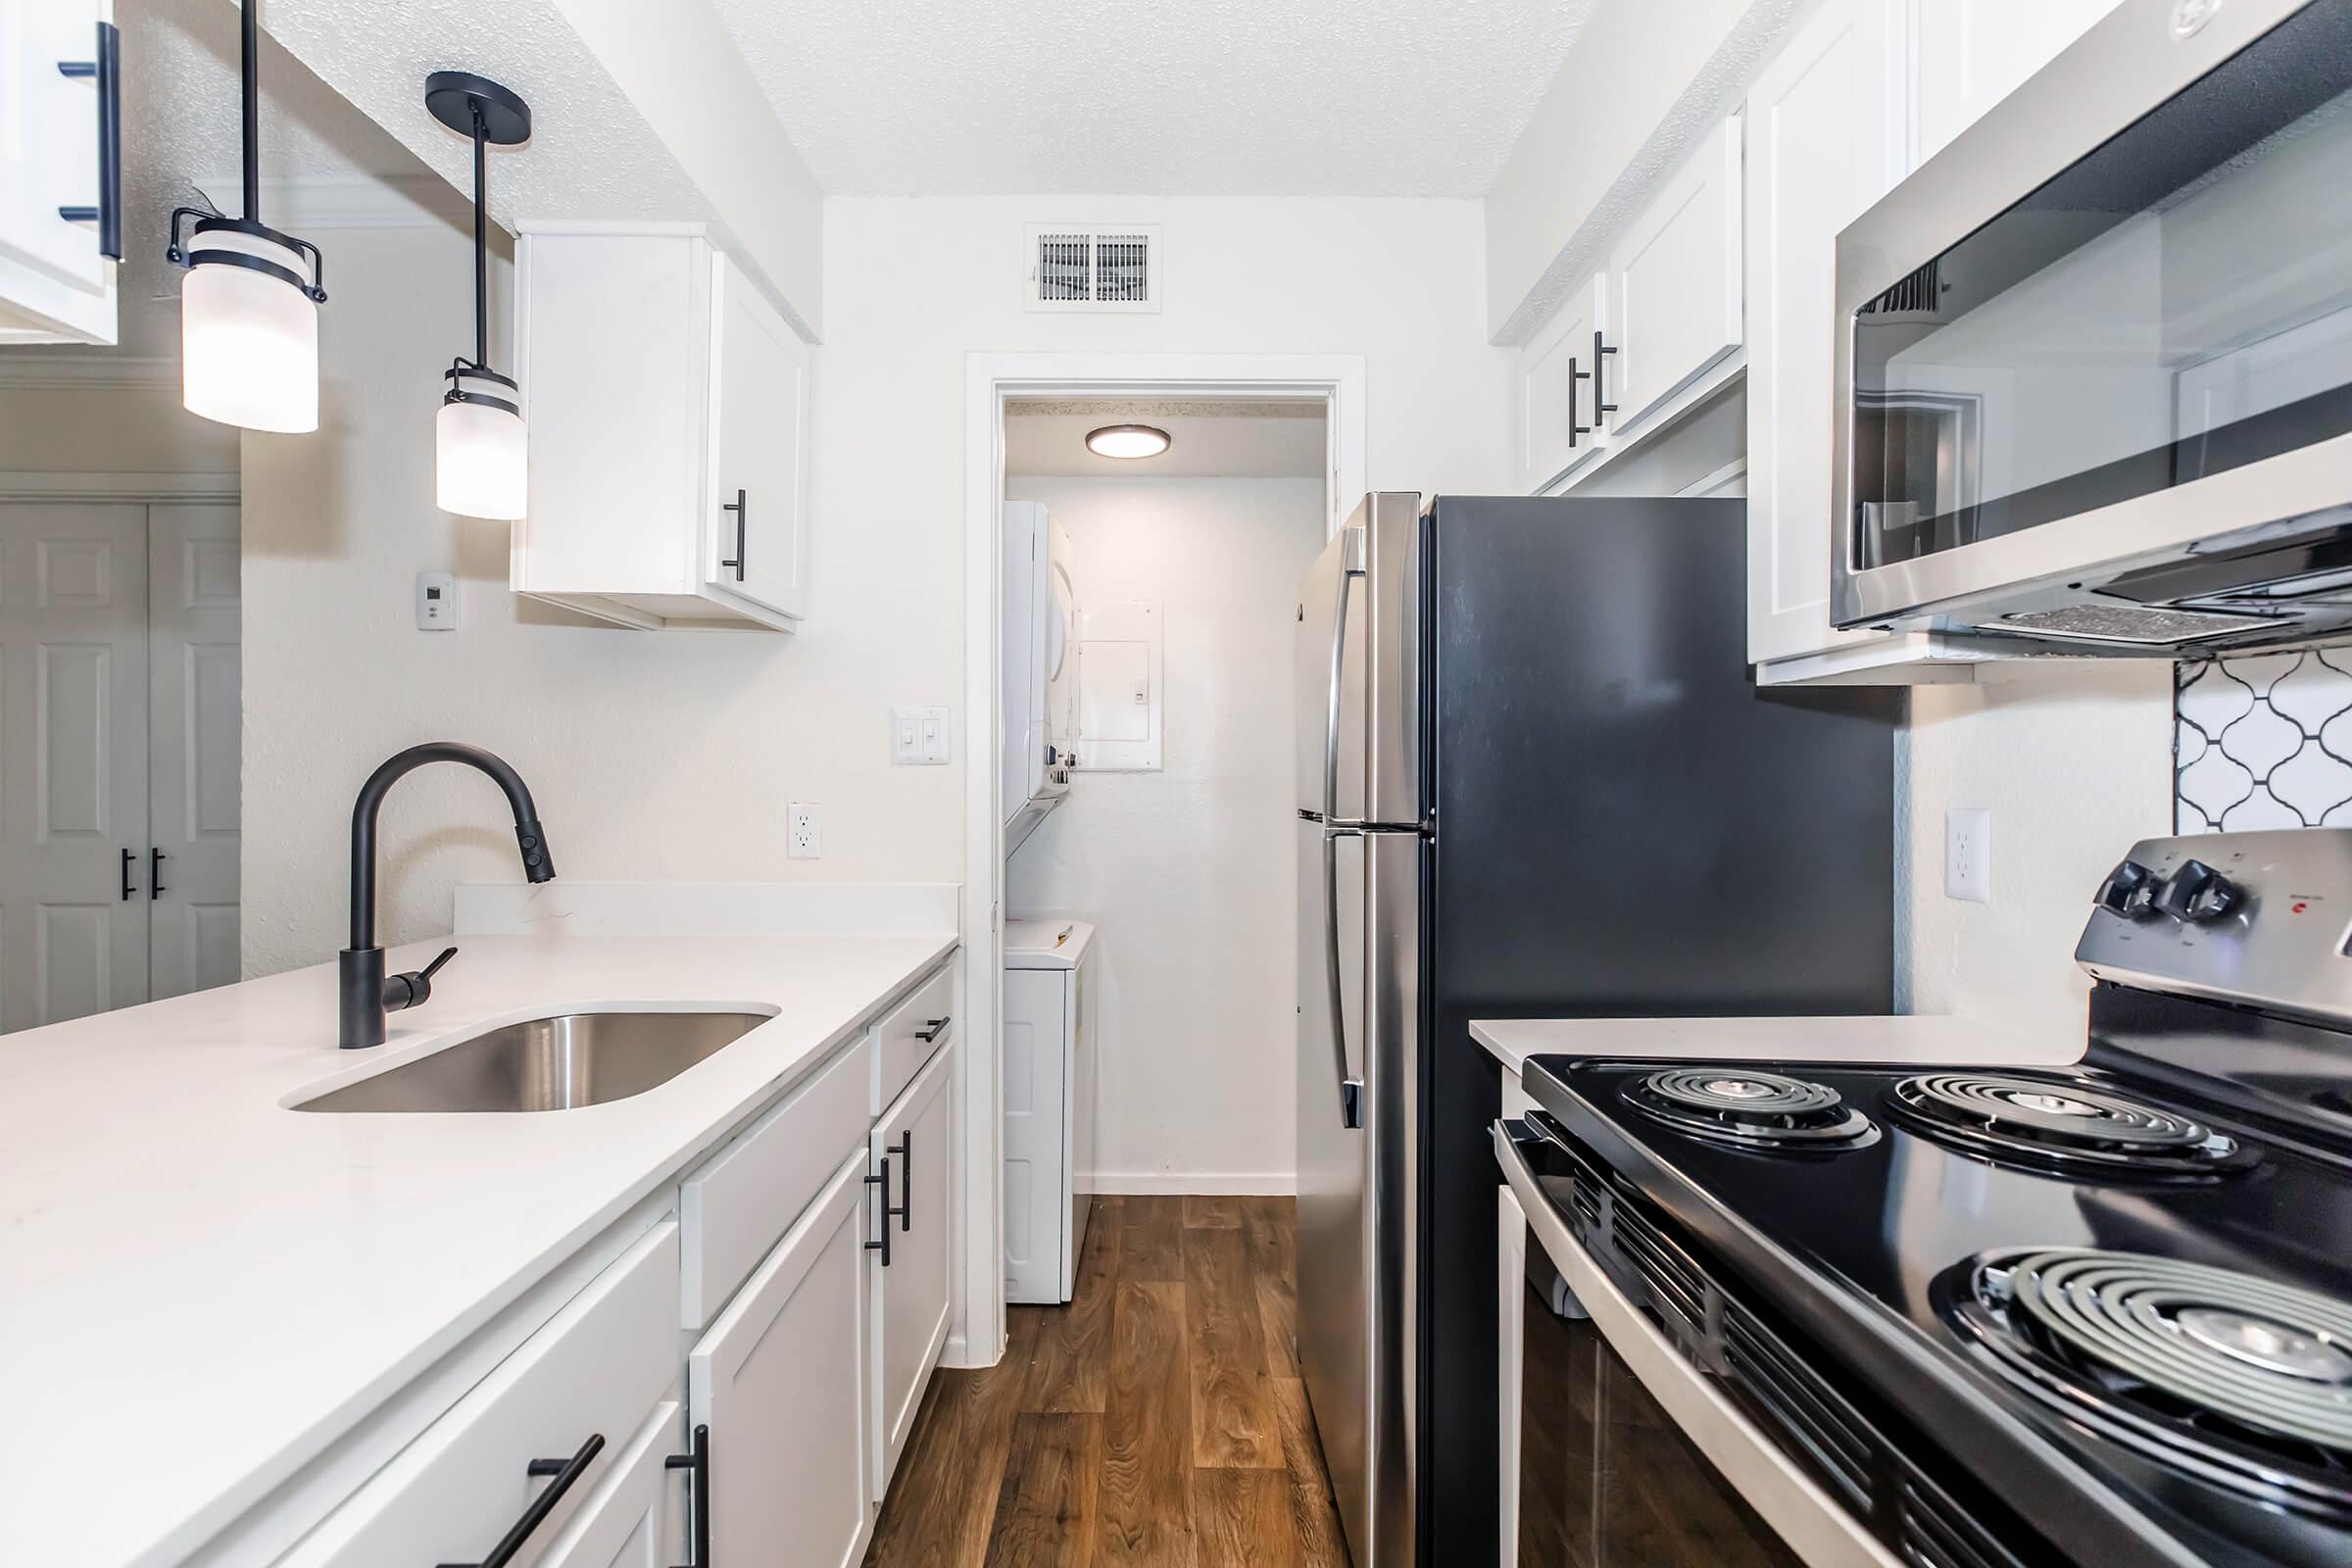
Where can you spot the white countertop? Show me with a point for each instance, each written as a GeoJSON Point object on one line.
{"type": "Point", "coordinates": [200, 1288]}
{"type": "Point", "coordinates": [1905, 1039]}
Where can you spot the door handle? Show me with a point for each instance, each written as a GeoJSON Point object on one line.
{"type": "Point", "coordinates": [1575, 376]}
{"type": "Point", "coordinates": [566, 1472]}
{"type": "Point", "coordinates": [739, 507]}
{"type": "Point", "coordinates": [882, 1243]}
{"type": "Point", "coordinates": [1600, 363]}
{"type": "Point", "coordinates": [154, 874]}
{"type": "Point", "coordinates": [696, 1461]}
{"type": "Point", "coordinates": [128, 856]}
{"type": "Point", "coordinates": [1351, 567]}
{"type": "Point", "coordinates": [926, 1036]}
{"type": "Point", "coordinates": [905, 1150]}
{"type": "Point", "coordinates": [1351, 1088]}
{"type": "Point", "coordinates": [106, 71]}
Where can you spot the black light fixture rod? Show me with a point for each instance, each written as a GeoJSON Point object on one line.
{"type": "Point", "coordinates": [481, 245]}
{"type": "Point", "coordinates": [252, 105]}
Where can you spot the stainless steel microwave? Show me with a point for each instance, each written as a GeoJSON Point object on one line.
{"type": "Point", "coordinates": [2094, 358]}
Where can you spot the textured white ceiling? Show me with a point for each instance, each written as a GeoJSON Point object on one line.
{"type": "Point", "coordinates": [1216, 97]}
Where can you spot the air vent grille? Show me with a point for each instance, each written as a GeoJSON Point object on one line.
{"type": "Point", "coordinates": [1072, 268]}
{"type": "Point", "coordinates": [1801, 1404]}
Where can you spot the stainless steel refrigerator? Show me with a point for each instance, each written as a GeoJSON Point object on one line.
{"type": "Point", "coordinates": [1535, 779]}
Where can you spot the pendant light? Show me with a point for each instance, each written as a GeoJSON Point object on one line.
{"type": "Point", "coordinates": [248, 305]}
{"type": "Point", "coordinates": [480, 454]}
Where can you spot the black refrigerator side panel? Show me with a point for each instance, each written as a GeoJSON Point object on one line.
{"type": "Point", "coordinates": [1625, 825]}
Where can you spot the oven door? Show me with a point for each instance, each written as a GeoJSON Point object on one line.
{"type": "Point", "coordinates": [1626, 1456]}
{"type": "Point", "coordinates": [2106, 335]}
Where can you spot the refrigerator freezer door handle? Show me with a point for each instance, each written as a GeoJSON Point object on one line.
{"type": "Point", "coordinates": [1351, 567]}
{"type": "Point", "coordinates": [1351, 1088]}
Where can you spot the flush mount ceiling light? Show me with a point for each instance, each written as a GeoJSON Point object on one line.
{"type": "Point", "coordinates": [1127, 441]}
{"type": "Point", "coordinates": [248, 305]}
{"type": "Point", "coordinates": [481, 466]}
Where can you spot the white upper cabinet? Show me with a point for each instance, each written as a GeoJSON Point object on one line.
{"type": "Point", "coordinates": [55, 284]}
{"type": "Point", "coordinates": [668, 403]}
{"type": "Point", "coordinates": [1674, 283]}
{"type": "Point", "coordinates": [1968, 55]}
{"type": "Point", "coordinates": [1556, 428]}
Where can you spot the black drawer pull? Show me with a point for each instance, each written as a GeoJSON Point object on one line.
{"type": "Point", "coordinates": [106, 71]}
{"type": "Point", "coordinates": [1575, 376]}
{"type": "Point", "coordinates": [1600, 363]}
{"type": "Point", "coordinates": [155, 873]}
{"type": "Point", "coordinates": [697, 1462]}
{"type": "Point", "coordinates": [932, 1033]}
{"type": "Point", "coordinates": [128, 856]}
{"type": "Point", "coordinates": [738, 508]}
{"type": "Point", "coordinates": [882, 1181]}
{"type": "Point", "coordinates": [566, 1472]}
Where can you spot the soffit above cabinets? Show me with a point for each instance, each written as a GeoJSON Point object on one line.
{"type": "Point", "coordinates": [1309, 98]}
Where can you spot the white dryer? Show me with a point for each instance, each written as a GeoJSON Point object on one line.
{"type": "Point", "coordinates": [1041, 668]}
{"type": "Point", "coordinates": [1048, 1104]}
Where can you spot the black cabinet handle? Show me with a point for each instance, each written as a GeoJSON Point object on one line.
{"type": "Point", "coordinates": [128, 856]}
{"type": "Point", "coordinates": [696, 1461]}
{"type": "Point", "coordinates": [566, 1472]}
{"type": "Point", "coordinates": [1575, 376]}
{"type": "Point", "coordinates": [155, 873]}
{"type": "Point", "coordinates": [932, 1033]}
{"type": "Point", "coordinates": [737, 507]}
{"type": "Point", "coordinates": [882, 1181]}
{"type": "Point", "coordinates": [106, 71]}
{"type": "Point", "coordinates": [905, 1150]}
{"type": "Point", "coordinates": [1600, 384]}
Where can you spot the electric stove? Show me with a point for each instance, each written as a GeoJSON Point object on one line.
{"type": "Point", "coordinates": [2099, 1314]}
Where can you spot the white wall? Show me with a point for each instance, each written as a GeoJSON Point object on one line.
{"type": "Point", "coordinates": [2074, 762]}
{"type": "Point", "coordinates": [1187, 872]}
{"type": "Point", "coordinates": [672, 754]}
{"type": "Point", "coordinates": [55, 423]}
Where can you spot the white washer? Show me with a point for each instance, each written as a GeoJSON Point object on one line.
{"type": "Point", "coordinates": [1048, 1104]}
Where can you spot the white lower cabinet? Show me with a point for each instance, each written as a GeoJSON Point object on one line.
{"type": "Point", "coordinates": [911, 1284]}
{"type": "Point", "coordinates": [626, 1523]}
{"type": "Point", "coordinates": [783, 1383]}
{"type": "Point", "coordinates": [1510, 1321]}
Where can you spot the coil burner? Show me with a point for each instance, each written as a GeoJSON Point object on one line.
{"type": "Point", "coordinates": [1750, 1109]}
{"type": "Point", "coordinates": [2060, 1124]}
{"type": "Point", "coordinates": [2227, 1376]}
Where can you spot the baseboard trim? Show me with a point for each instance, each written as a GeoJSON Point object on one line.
{"type": "Point", "coordinates": [1205, 1184]}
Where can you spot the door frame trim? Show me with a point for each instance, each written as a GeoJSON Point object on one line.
{"type": "Point", "coordinates": [976, 1335]}
{"type": "Point", "coordinates": [154, 488]}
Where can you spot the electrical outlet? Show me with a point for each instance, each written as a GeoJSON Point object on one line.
{"type": "Point", "coordinates": [804, 832]}
{"type": "Point", "coordinates": [1968, 853]}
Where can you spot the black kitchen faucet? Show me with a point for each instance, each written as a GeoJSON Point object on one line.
{"type": "Point", "coordinates": [366, 993]}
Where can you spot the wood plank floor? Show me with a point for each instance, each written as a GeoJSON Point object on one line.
{"type": "Point", "coordinates": [1156, 1421]}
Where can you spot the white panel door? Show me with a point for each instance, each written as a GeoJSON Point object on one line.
{"type": "Point", "coordinates": [49, 140]}
{"type": "Point", "coordinates": [73, 760]}
{"type": "Point", "coordinates": [1970, 54]}
{"type": "Point", "coordinates": [1825, 140]}
{"type": "Point", "coordinates": [760, 424]}
{"type": "Point", "coordinates": [784, 1382]}
{"type": "Point", "coordinates": [195, 702]}
{"type": "Point", "coordinates": [1674, 283]}
{"type": "Point", "coordinates": [1558, 429]}
{"type": "Point", "coordinates": [912, 1292]}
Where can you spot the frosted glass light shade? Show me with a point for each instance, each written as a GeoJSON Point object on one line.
{"type": "Point", "coordinates": [248, 340]}
{"type": "Point", "coordinates": [482, 467]}
{"type": "Point", "coordinates": [1127, 441]}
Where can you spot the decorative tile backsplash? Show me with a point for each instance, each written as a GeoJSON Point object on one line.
{"type": "Point", "coordinates": [2263, 742]}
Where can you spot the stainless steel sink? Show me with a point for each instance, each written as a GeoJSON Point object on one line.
{"type": "Point", "coordinates": [559, 1063]}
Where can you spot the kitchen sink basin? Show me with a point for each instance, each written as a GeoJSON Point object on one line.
{"type": "Point", "coordinates": [558, 1063]}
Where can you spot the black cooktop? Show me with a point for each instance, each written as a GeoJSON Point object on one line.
{"type": "Point", "coordinates": [2119, 1305]}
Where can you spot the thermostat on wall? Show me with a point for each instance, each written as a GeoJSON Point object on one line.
{"type": "Point", "coordinates": [436, 601]}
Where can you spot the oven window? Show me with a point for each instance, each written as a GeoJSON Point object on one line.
{"type": "Point", "coordinates": [2177, 303]}
{"type": "Point", "coordinates": [1606, 1480]}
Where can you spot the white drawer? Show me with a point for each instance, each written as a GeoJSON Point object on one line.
{"type": "Point", "coordinates": [910, 1034]}
{"type": "Point", "coordinates": [625, 1525]}
{"type": "Point", "coordinates": [746, 1197]}
{"type": "Point", "coordinates": [594, 1371]}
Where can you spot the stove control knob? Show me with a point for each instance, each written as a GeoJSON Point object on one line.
{"type": "Point", "coordinates": [2197, 893]}
{"type": "Point", "coordinates": [2128, 891]}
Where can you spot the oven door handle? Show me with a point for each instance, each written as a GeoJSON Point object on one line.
{"type": "Point", "coordinates": [1542, 1217]}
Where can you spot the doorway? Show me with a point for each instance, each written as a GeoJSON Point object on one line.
{"type": "Point", "coordinates": [120, 700]}
{"type": "Point", "coordinates": [1336, 383]}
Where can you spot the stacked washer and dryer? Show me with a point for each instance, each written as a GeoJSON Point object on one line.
{"type": "Point", "coordinates": [1049, 973]}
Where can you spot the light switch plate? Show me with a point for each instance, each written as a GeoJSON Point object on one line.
{"type": "Point", "coordinates": [919, 735]}
{"type": "Point", "coordinates": [1968, 853]}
